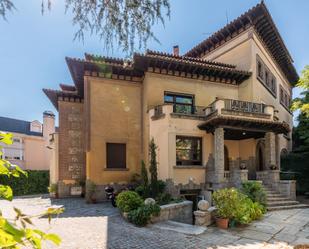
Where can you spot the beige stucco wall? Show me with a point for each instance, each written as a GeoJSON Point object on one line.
{"type": "Point", "coordinates": [114, 116]}
{"type": "Point", "coordinates": [242, 51]}
{"type": "Point", "coordinates": [35, 154]}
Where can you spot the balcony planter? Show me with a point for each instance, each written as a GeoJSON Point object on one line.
{"type": "Point", "coordinates": [222, 222]}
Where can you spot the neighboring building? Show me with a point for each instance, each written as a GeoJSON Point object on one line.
{"type": "Point", "coordinates": [219, 114]}
{"type": "Point", "coordinates": [30, 140]}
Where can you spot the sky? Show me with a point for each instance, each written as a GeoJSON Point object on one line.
{"type": "Point", "coordinates": [33, 46]}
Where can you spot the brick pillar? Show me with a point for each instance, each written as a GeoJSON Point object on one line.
{"type": "Point", "coordinates": [270, 149]}
{"type": "Point", "coordinates": [219, 156]}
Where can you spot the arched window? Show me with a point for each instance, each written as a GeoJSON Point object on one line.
{"type": "Point", "coordinates": [226, 159]}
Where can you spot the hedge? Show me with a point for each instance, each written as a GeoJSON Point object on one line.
{"type": "Point", "coordinates": [37, 182]}
{"type": "Point", "coordinates": [297, 164]}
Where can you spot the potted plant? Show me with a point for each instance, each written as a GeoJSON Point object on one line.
{"type": "Point", "coordinates": [91, 188]}
{"type": "Point", "coordinates": [52, 189]}
{"type": "Point", "coordinates": [225, 201]}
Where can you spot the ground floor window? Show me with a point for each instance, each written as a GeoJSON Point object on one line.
{"type": "Point", "coordinates": [188, 150]}
{"type": "Point", "coordinates": [116, 156]}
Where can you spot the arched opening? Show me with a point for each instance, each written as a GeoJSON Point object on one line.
{"type": "Point", "coordinates": [260, 156]}
{"type": "Point", "coordinates": [226, 159]}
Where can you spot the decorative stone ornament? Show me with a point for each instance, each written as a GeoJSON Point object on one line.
{"type": "Point", "coordinates": [149, 201]}
{"type": "Point", "coordinates": [243, 166]}
{"type": "Point", "coordinates": [203, 205]}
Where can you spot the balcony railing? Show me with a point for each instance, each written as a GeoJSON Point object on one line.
{"type": "Point", "coordinates": [243, 106]}
{"type": "Point", "coordinates": [189, 109]}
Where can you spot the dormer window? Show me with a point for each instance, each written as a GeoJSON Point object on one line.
{"type": "Point", "coordinates": [265, 76]}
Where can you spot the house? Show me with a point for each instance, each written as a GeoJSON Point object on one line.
{"type": "Point", "coordinates": [30, 139]}
{"type": "Point", "coordinates": [219, 114]}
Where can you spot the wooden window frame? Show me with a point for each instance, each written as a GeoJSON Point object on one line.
{"type": "Point", "coordinates": [109, 165]}
{"type": "Point", "coordinates": [190, 162]}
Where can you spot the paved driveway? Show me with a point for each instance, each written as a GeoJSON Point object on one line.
{"type": "Point", "coordinates": [100, 226]}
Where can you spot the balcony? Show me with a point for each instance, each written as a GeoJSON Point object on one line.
{"type": "Point", "coordinates": [223, 107]}
{"type": "Point", "coordinates": [246, 109]}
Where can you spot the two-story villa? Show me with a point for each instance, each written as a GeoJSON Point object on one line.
{"type": "Point", "coordinates": [219, 114]}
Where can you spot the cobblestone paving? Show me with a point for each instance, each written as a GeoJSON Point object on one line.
{"type": "Point", "coordinates": [101, 226]}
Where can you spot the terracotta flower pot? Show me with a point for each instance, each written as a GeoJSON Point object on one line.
{"type": "Point", "coordinates": [222, 223]}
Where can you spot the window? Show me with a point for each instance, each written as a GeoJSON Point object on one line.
{"type": "Point", "coordinates": [266, 77]}
{"type": "Point", "coordinates": [260, 70]}
{"type": "Point", "coordinates": [188, 150]}
{"type": "Point", "coordinates": [284, 98]}
{"type": "Point", "coordinates": [182, 103]}
{"type": "Point", "coordinates": [273, 84]}
{"type": "Point", "coordinates": [115, 156]}
{"type": "Point", "coordinates": [16, 140]}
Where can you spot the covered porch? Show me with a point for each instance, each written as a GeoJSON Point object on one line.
{"type": "Point", "coordinates": [245, 145]}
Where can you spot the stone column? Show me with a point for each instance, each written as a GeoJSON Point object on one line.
{"type": "Point", "coordinates": [270, 149]}
{"type": "Point", "coordinates": [219, 156]}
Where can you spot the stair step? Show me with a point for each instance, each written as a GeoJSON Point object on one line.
{"type": "Point", "coordinates": [275, 196]}
{"type": "Point", "coordinates": [282, 203]}
{"type": "Point", "coordinates": [287, 207]}
{"type": "Point", "coordinates": [270, 199]}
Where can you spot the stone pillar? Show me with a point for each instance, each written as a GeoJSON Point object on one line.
{"type": "Point", "coordinates": [219, 156]}
{"type": "Point", "coordinates": [270, 149]}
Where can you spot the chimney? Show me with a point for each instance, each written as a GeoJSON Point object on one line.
{"type": "Point", "coordinates": [176, 50]}
{"type": "Point", "coordinates": [48, 124]}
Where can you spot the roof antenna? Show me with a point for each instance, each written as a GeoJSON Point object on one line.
{"type": "Point", "coordinates": [227, 17]}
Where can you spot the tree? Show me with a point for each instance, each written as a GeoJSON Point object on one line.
{"type": "Point", "coordinates": [301, 132]}
{"type": "Point", "coordinates": [144, 175]}
{"type": "Point", "coordinates": [153, 168]}
{"type": "Point", "coordinates": [18, 232]}
{"type": "Point", "coordinates": [123, 22]}
{"type": "Point", "coordinates": [302, 103]}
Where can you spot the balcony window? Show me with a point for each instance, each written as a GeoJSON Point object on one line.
{"type": "Point", "coordinates": [115, 156]}
{"type": "Point", "coordinates": [182, 103]}
{"type": "Point", "coordinates": [284, 98]}
{"type": "Point", "coordinates": [188, 150]}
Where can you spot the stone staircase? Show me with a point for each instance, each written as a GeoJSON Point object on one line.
{"type": "Point", "coordinates": [277, 201]}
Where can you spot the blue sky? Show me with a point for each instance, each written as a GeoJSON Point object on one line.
{"type": "Point", "coordinates": [33, 47]}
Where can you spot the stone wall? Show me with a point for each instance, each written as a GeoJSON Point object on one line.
{"type": "Point", "coordinates": [71, 146]}
{"type": "Point", "coordinates": [287, 188]}
{"type": "Point", "coordinates": [181, 212]}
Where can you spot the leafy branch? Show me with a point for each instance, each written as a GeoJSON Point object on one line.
{"type": "Point", "coordinates": [21, 230]}
{"type": "Point", "coordinates": [120, 22]}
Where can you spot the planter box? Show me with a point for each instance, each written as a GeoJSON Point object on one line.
{"type": "Point", "coordinates": [76, 191]}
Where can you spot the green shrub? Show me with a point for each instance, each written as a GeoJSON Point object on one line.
{"type": "Point", "coordinates": [37, 182]}
{"type": "Point", "coordinates": [142, 215]}
{"type": "Point", "coordinates": [164, 198]}
{"type": "Point", "coordinates": [296, 162]}
{"type": "Point", "coordinates": [255, 191]}
{"type": "Point", "coordinates": [236, 206]}
{"type": "Point", "coordinates": [226, 201]}
{"type": "Point", "coordinates": [128, 200]}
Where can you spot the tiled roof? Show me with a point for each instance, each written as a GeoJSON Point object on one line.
{"type": "Point", "coordinates": [18, 126]}
{"type": "Point", "coordinates": [260, 19]}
